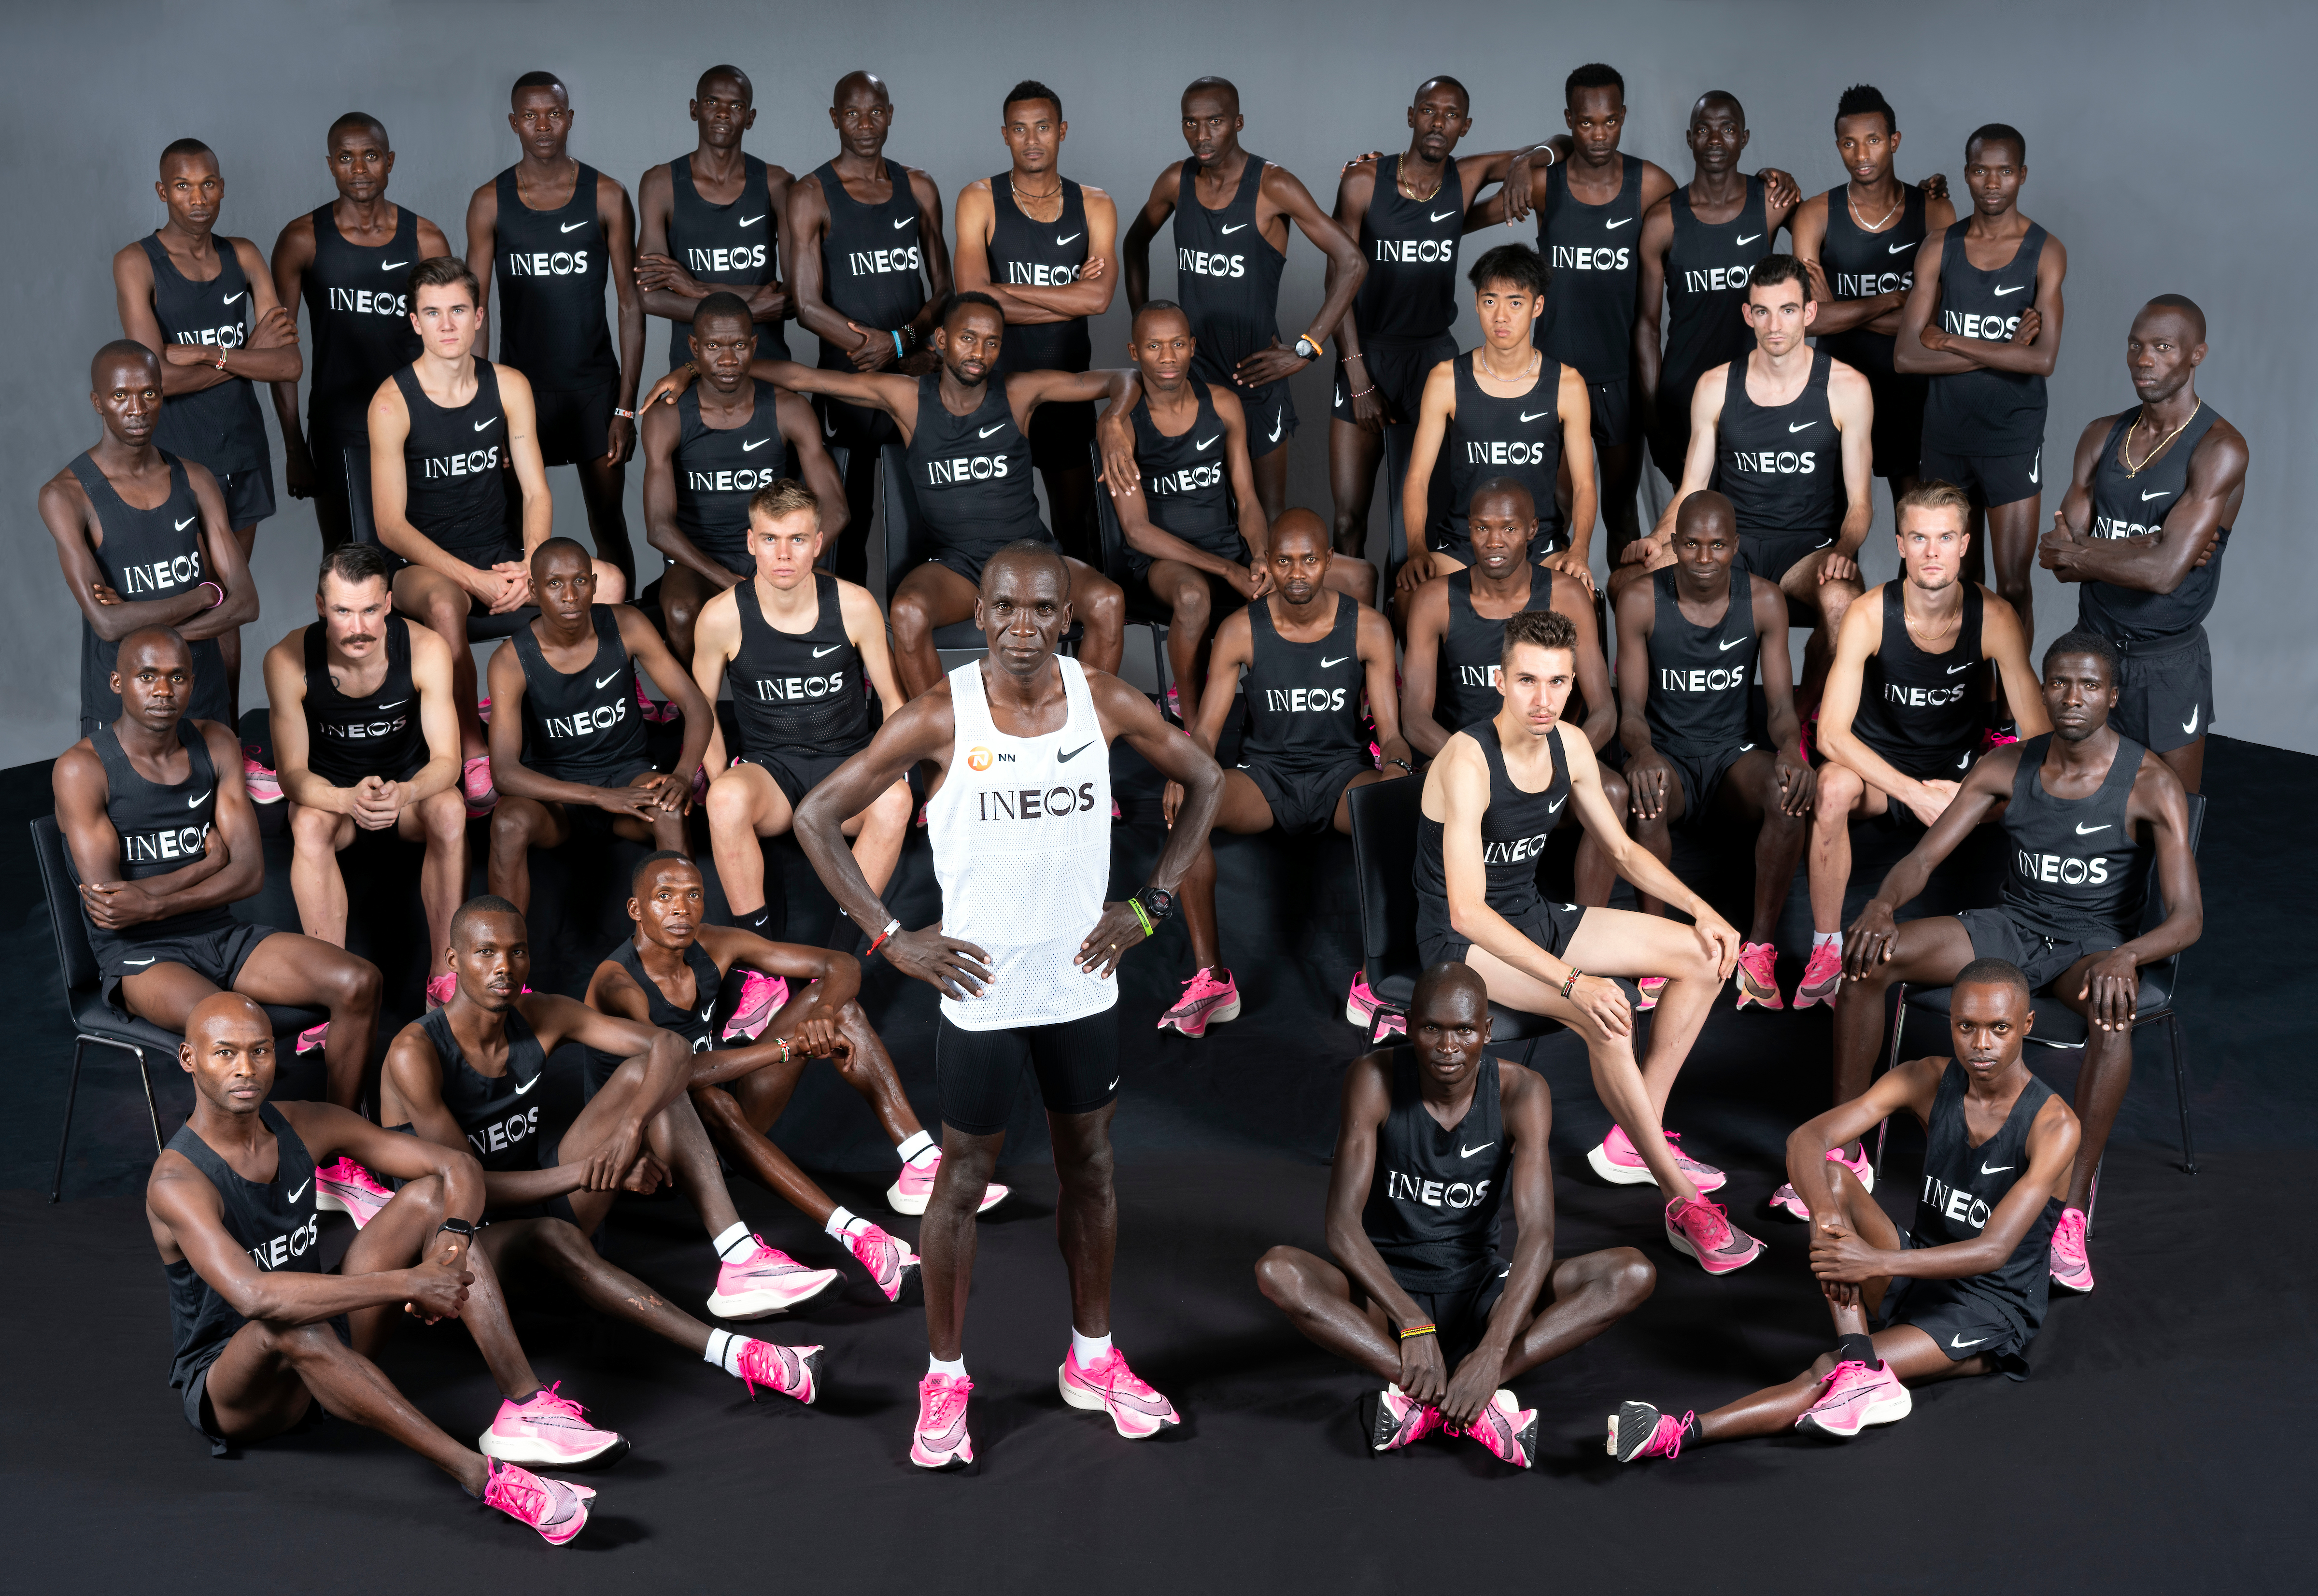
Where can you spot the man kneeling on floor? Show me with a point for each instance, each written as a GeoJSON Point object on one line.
{"type": "Point", "coordinates": [1963, 1290]}
{"type": "Point", "coordinates": [1412, 1222]}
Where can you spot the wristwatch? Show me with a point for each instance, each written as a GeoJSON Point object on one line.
{"type": "Point", "coordinates": [459, 1227]}
{"type": "Point", "coordinates": [1158, 902]}
{"type": "Point", "coordinates": [1306, 349]}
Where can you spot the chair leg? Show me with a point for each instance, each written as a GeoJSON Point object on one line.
{"type": "Point", "coordinates": [1899, 1024]}
{"type": "Point", "coordinates": [1159, 662]}
{"type": "Point", "coordinates": [152, 1111]}
{"type": "Point", "coordinates": [2181, 1090]}
{"type": "Point", "coordinates": [72, 1089]}
{"type": "Point", "coordinates": [2092, 1193]}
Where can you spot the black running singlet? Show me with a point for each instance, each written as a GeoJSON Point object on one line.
{"type": "Point", "coordinates": [1304, 699]}
{"type": "Point", "coordinates": [1472, 649]}
{"type": "Point", "coordinates": [1433, 1202]}
{"type": "Point", "coordinates": [1027, 254]}
{"type": "Point", "coordinates": [1964, 1183]}
{"type": "Point", "coordinates": [1982, 412]}
{"type": "Point", "coordinates": [550, 267]}
{"type": "Point", "coordinates": [1589, 293]}
{"type": "Point", "coordinates": [1186, 489]}
{"type": "Point", "coordinates": [497, 1114]}
{"type": "Point", "coordinates": [1860, 264]}
{"type": "Point", "coordinates": [735, 246]}
{"type": "Point", "coordinates": [1490, 437]}
{"type": "Point", "coordinates": [695, 1025]}
{"type": "Point", "coordinates": [1700, 676]}
{"type": "Point", "coordinates": [798, 693]}
{"type": "Point", "coordinates": [358, 306]}
{"type": "Point", "coordinates": [276, 1221]}
{"type": "Point", "coordinates": [146, 555]}
{"type": "Point", "coordinates": [2073, 870]}
{"type": "Point", "coordinates": [871, 257]}
{"type": "Point", "coordinates": [2133, 507]}
{"type": "Point", "coordinates": [454, 467]}
{"type": "Point", "coordinates": [1781, 466]}
{"type": "Point", "coordinates": [972, 473]}
{"type": "Point", "coordinates": [1706, 271]}
{"type": "Point", "coordinates": [1410, 293]}
{"type": "Point", "coordinates": [1513, 830]}
{"type": "Point", "coordinates": [1924, 713]}
{"type": "Point", "coordinates": [221, 427]}
{"type": "Point", "coordinates": [161, 828]}
{"type": "Point", "coordinates": [380, 735]}
{"type": "Point", "coordinates": [584, 727]}
{"type": "Point", "coordinates": [718, 469]}
{"type": "Point", "coordinates": [1226, 274]}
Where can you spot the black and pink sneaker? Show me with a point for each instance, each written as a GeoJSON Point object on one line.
{"type": "Point", "coordinates": [557, 1510]}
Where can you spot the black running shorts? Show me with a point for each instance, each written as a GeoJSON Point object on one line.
{"type": "Point", "coordinates": [1550, 925]}
{"type": "Point", "coordinates": [1399, 367]}
{"type": "Point", "coordinates": [249, 495]}
{"type": "Point", "coordinates": [1996, 934]}
{"type": "Point", "coordinates": [1061, 434]}
{"type": "Point", "coordinates": [1772, 558]}
{"type": "Point", "coordinates": [1965, 1320]}
{"type": "Point", "coordinates": [1989, 478]}
{"type": "Point", "coordinates": [575, 424]}
{"type": "Point", "coordinates": [797, 773]}
{"type": "Point", "coordinates": [1461, 1317]}
{"type": "Point", "coordinates": [977, 1074]}
{"type": "Point", "coordinates": [2165, 691]}
{"type": "Point", "coordinates": [1700, 776]}
{"type": "Point", "coordinates": [216, 956]}
{"type": "Point", "coordinates": [1612, 420]}
{"type": "Point", "coordinates": [1303, 798]}
{"type": "Point", "coordinates": [1271, 416]}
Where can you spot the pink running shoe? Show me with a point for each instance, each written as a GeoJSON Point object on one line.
{"type": "Point", "coordinates": [1822, 977]}
{"type": "Point", "coordinates": [346, 1187]}
{"type": "Point", "coordinates": [556, 1510]}
{"type": "Point", "coordinates": [1639, 1431]}
{"type": "Point", "coordinates": [891, 1264]}
{"type": "Point", "coordinates": [1704, 1230]}
{"type": "Point", "coordinates": [915, 1185]}
{"type": "Point", "coordinates": [1206, 1001]}
{"type": "Point", "coordinates": [475, 786]}
{"type": "Point", "coordinates": [1758, 975]}
{"type": "Point", "coordinates": [1400, 1420]}
{"type": "Point", "coordinates": [483, 711]}
{"type": "Point", "coordinates": [1785, 1201]}
{"type": "Point", "coordinates": [440, 988]}
{"type": "Point", "coordinates": [2070, 1268]}
{"type": "Point", "coordinates": [940, 1441]}
{"type": "Point", "coordinates": [264, 786]}
{"type": "Point", "coordinates": [1109, 1386]}
{"type": "Point", "coordinates": [1996, 736]}
{"type": "Point", "coordinates": [550, 1429]}
{"type": "Point", "coordinates": [1853, 1397]}
{"type": "Point", "coordinates": [1175, 706]}
{"type": "Point", "coordinates": [1649, 986]}
{"type": "Point", "coordinates": [1508, 1430]}
{"type": "Point", "coordinates": [762, 996]}
{"type": "Point", "coordinates": [313, 1037]}
{"type": "Point", "coordinates": [1616, 1161]}
{"type": "Point", "coordinates": [793, 1371]}
{"type": "Point", "coordinates": [767, 1281]}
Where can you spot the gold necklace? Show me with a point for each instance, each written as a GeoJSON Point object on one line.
{"type": "Point", "coordinates": [2132, 471]}
{"type": "Point", "coordinates": [1400, 182]}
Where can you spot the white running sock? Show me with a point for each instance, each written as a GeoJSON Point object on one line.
{"type": "Point", "coordinates": [725, 1350]}
{"type": "Point", "coordinates": [955, 1367]}
{"type": "Point", "coordinates": [840, 1221]}
{"type": "Point", "coordinates": [1089, 1350]}
{"type": "Point", "coordinates": [735, 1242]}
{"type": "Point", "coordinates": [1821, 938]}
{"type": "Point", "coordinates": [919, 1149]}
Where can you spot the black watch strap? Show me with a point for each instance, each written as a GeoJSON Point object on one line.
{"type": "Point", "coordinates": [459, 1227]}
{"type": "Point", "coordinates": [1158, 902]}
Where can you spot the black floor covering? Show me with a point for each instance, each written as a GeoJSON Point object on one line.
{"type": "Point", "coordinates": [2153, 1448]}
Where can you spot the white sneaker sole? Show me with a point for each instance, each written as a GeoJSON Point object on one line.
{"type": "Point", "coordinates": [1704, 1180]}
{"type": "Point", "coordinates": [1088, 1401]}
{"type": "Point", "coordinates": [534, 1454]}
{"type": "Point", "coordinates": [1214, 1016]}
{"type": "Point", "coordinates": [764, 1304]}
{"type": "Point", "coordinates": [901, 1202]}
{"type": "Point", "coordinates": [1884, 1409]}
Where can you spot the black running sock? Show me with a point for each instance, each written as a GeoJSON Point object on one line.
{"type": "Point", "coordinates": [1693, 1434]}
{"type": "Point", "coordinates": [1858, 1349]}
{"type": "Point", "coordinates": [755, 920]}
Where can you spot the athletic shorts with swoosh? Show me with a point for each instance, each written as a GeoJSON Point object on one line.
{"type": "Point", "coordinates": [1271, 413]}
{"type": "Point", "coordinates": [216, 956]}
{"type": "Point", "coordinates": [1550, 925]}
{"type": "Point", "coordinates": [590, 827]}
{"type": "Point", "coordinates": [797, 773]}
{"type": "Point", "coordinates": [1462, 1317]}
{"type": "Point", "coordinates": [2164, 690]}
{"type": "Point", "coordinates": [1965, 1318]}
{"type": "Point", "coordinates": [1303, 797]}
{"type": "Point", "coordinates": [1701, 775]}
{"type": "Point", "coordinates": [1988, 479]}
{"type": "Point", "coordinates": [1399, 367]}
{"type": "Point", "coordinates": [1996, 935]}
{"type": "Point", "coordinates": [978, 1074]}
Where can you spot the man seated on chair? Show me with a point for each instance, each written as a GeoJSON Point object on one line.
{"type": "Point", "coordinates": [161, 837]}
{"type": "Point", "coordinates": [1963, 1290]}
{"type": "Point", "coordinates": [671, 974]}
{"type": "Point", "coordinates": [567, 724]}
{"type": "Point", "coordinates": [2083, 806]}
{"type": "Point", "coordinates": [1422, 1294]}
{"type": "Point", "coordinates": [803, 650]}
{"type": "Point", "coordinates": [1490, 801]}
{"type": "Point", "coordinates": [1322, 719]}
{"type": "Point", "coordinates": [366, 739]}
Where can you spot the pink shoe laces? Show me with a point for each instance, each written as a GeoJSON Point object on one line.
{"type": "Point", "coordinates": [944, 1397]}
{"type": "Point", "coordinates": [2069, 1238]}
{"type": "Point", "coordinates": [1665, 1442]}
{"type": "Point", "coordinates": [518, 1493]}
{"type": "Point", "coordinates": [547, 1401]}
{"type": "Point", "coordinates": [1713, 1224]}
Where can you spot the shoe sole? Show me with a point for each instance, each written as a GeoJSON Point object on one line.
{"type": "Point", "coordinates": [1883, 1410]}
{"type": "Point", "coordinates": [1609, 1443]}
{"type": "Point", "coordinates": [954, 1464]}
{"type": "Point", "coordinates": [1681, 1244]}
{"type": "Point", "coordinates": [538, 1454]}
{"type": "Point", "coordinates": [901, 1202]}
{"type": "Point", "coordinates": [1617, 1174]}
{"type": "Point", "coordinates": [2066, 1284]}
{"type": "Point", "coordinates": [329, 1202]}
{"type": "Point", "coordinates": [1354, 1016]}
{"type": "Point", "coordinates": [1195, 1030]}
{"type": "Point", "coordinates": [1091, 1402]}
{"type": "Point", "coordinates": [1808, 997]}
{"type": "Point", "coordinates": [745, 1306]}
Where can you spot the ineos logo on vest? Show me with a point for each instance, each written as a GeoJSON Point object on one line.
{"type": "Point", "coordinates": [1433, 1193]}
{"type": "Point", "coordinates": [1477, 676]}
{"type": "Point", "coordinates": [1714, 278]}
{"type": "Point", "coordinates": [1413, 252]}
{"type": "Point", "coordinates": [1776, 462]}
{"type": "Point", "coordinates": [361, 730]}
{"type": "Point", "coordinates": [1921, 697]}
{"type": "Point", "coordinates": [502, 1134]}
{"type": "Point", "coordinates": [1299, 700]}
{"type": "Point", "coordinates": [1517, 851]}
{"type": "Point", "coordinates": [232, 335]}
{"type": "Point", "coordinates": [2062, 870]}
{"type": "Point", "coordinates": [474, 462]}
{"type": "Point", "coordinates": [542, 264]}
{"type": "Point", "coordinates": [799, 689]}
{"type": "Point", "coordinates": [1503, 452]}
{"type": "Point", "coordinates": [1993, 330]}
{"type": "Point", "coordinates": [163, 576]}
{"type": "Point", "coordinates": [293, 1243]}
{"type": "Point", "coordinates": [744, 481]}
{"type": "Point", "coordinates": [1034, 804]}
{"type": "Point", "coordinates": [964, 468]}
{"type": "Point", "coordinates": [739, 258]}
{"type": "Point", "coordinates": [880, 263]}
{"type": "Point", "coordinates": [1037, 275]}
{"type": "Point", "coordinates": [2109, 526]}
{"type": "Point", "coordinates": [1198, 263]}
{"type": "Point", "coordinates": [1719, 680]}
{"type": "Point", "coordinates": [362, 302]}
{"type": "Point", "coordinates": [1866, 285]}
{"type": "Point", "coordinates": [1570, 258]}
{"type": "Point", "coordinates": [1953, 1203]}
{"type": "Point", "coordinates": [586, 722]}
{"type": "Point", "coordinates": [161, 847]}
{"type": "Point", "coordinates": [1191, 479]}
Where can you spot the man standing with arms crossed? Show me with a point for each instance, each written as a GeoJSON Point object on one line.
{"type": "Point", "coordinates": [712, 220]}
{"type": "Point", "coordinates": [350, 261]}
{"type": "Point", "coordinates": [1024, 956]}
{"type": "Point", "coordinates": [1232, 212]}
{"type": "Point", "coordinates": [553, 230]}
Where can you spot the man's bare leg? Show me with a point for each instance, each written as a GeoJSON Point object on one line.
{"type": "Point", "coordinates": [928, 598]}
{"type": "Point", "coordinates": [1926, 953]}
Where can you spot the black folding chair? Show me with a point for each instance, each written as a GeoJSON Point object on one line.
{"type": "Point", "coordinates": [480, 627]}
{"type": "Point", "coordinates": [95, 1022]}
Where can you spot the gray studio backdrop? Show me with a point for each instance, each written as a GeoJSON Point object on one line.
{"type": "Point", "coordinates": [2159, 152]}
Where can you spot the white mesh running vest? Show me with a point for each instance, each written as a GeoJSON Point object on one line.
{"type": "Point", "coordinates": [1021, 839]}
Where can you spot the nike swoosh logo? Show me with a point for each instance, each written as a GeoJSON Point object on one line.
{"type": "Point", "coordinates": [832, 648]}
{"type": "Point", "coordinates": [390, 265]}
{"type": "Point", "coordinates": [749, 221]}
{"type": "Point", "coordinates": [1896, 248]}
{"type": "Point", "coordinates": [1205, 444]}
{"type": "Point", "coordinates": [1114, 1083]}
{"type": "Point", "coordinates": [1536, 416]}
{"type": "Point", "coordinates": [493, 421]}
{"type": "Point", "coordinates": [707, 1011]}
{"type": "Point", "coordinates": [2161, 493]}
{"type": "Point", "coordinates": [1721, 647]}
{"type": "Point", "coordinates": [2190, 727]}
{"type": "Point", "coordinates": [1469, 1151]}
{"type": "Point", "coordinates": [1952, 669]}
{"type": "Point", "coordinates": [1075, 753]}
{"type": "Point", "coordinates": [1233, 228]}
{"type": "Point", "coordinates": [527, 1085]}
{"type": "Point", "coordinates": [1331, 664]}
{"type": "Point", "coordinates": [1611, 227]}
{"type": "Point", "coordinates": [302, 1184]}
{"type": "Point", "coordinates": [1801, 426]}
{"type": "Point", "coordinates": [1959, 1343]}
{"type": "Point", "coordinates": [397, 703]}
{"type": "Point", "coordinates": [1278, 422]}
{"type": "Point", "coordinates": [1963, 761]}
{"type": "Point", "coordinates": [231, 297]}
{"type": "Point", "coordinates": [1555, 807]}
{"type": "Point", "coordinates": [2037, 464]}
{"type": "Point", "coordinates": [2000, 292]}
{"type": "Point", "coordinates": [197, 803]}
{"type": "Point", "coordinates": [986, 431]}
{"type": "Point", "coordinates": [1442, 215]}
{"type": "Point", "coordinates": [1060, 242]}
{"type": "Point", "coordinates": [136, 961]}
{"type": "Point", "coordinates": [907, 222]}
{"type": "Point", "coordinates": [572, 227]}
{"type": "Point", "coordinates": [753, 448]}
{"type": "Point", "coordinates": [2085, 830]}
{"type": "Point", "coordinates": [601, 680]}
{"type": "Point", "coordinates": [1750, 237]}
{"type": "Point", "coordinates": [188, 521]}
{"type": "Point", "coordinates": [1999, 1170]}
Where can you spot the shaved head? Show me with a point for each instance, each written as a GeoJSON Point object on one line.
{"type": "Point", "coordinates": [156, 642]}
{"type": "Point", "coordinates": [1719, 100]}
{"type": "Point", "coordinates": [2179, 304]}
{"type": "Point", "coordinates": [225, 1014]}
{"type": "Point", "coordinates": [1302, 524]}
{"type": "Point", "coordinates": [121, 352]}
{"type": "Point", "coordinates": [1027, 553]}
{"type": "Point", "coordinates": [1707, 511]}
{"type": "Point", "coordinates": [474, 909]}
{"type": "Point", "coordinates": [859, 83]}
{"type": "Point", "coordinates": [1222, 88]}
{"type": "Point", "coordinates": [1447, 988]}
